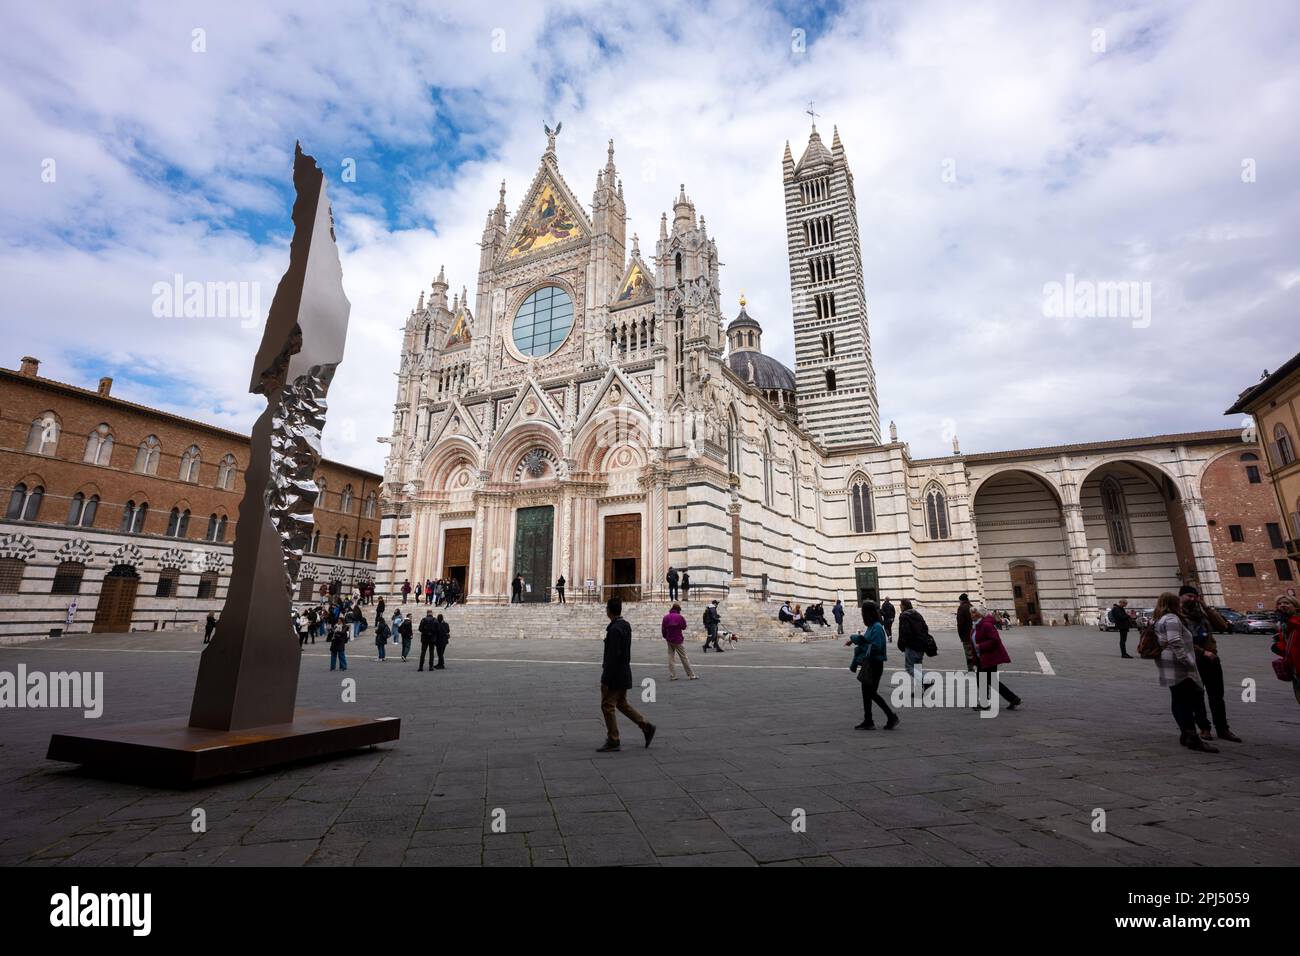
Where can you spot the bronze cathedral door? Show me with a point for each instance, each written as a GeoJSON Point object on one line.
{"type": "Point", "coordinates": [534, 541]}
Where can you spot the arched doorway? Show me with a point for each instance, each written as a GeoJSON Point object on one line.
{"type": "Point", "coordinates": [116, 599]}
{"type": "Point", "coordinates": [1024, 552]}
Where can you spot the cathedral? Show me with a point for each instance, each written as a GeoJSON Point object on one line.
{"type": "Point", "coordinates": [594, 412]}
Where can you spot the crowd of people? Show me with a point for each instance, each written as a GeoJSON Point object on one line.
{"type": "Point", "coordinates": [1180, 639]}
{"type": "Point", "coordinates": [439, 592]}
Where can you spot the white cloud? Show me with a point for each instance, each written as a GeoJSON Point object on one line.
{"type": "Point", "coordinates": [1120, 165]}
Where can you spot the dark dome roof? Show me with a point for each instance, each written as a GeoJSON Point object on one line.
{"type": "Point", "coordinates": [744, 319]}
{"type": "Point", "coordinates": [768, 372]}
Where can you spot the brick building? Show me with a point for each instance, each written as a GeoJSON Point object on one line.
{"type": "Point", "coordinates": [1245, 530]}
{"type": "Point", "coordinates": [130, 512]}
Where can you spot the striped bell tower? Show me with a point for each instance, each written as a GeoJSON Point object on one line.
{"type": "Point", "coordinates": [835, 380]}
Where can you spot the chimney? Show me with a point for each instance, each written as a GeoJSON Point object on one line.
{"type": "Point", "coordinates": [30, 366]}
{"type": "Point", "coordinates": [105, 386]}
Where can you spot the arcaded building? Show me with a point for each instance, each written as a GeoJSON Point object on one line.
{"type": "Point", "coordinates": [595, 412]}
{"type": "Point", "coordinates": [122, 517]}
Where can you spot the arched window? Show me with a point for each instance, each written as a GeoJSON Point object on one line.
{"type": "Point", "coordinates": [862, 516]}
{"type": "Point", "coordinates": [767, 470]}
{"type": "Point", "coordinates": [365, 548]}
{"type": "Point", "coordinates": [936, 514]}
{"type": "Point", "coordinates": [371, 506]}
{"type": "Point", "coordinates": [178, 523]}
{"type": "Point", "coordinates": [212, 528]}
{"type": "Point", "coordinates": [314, 547]}
{"type": "Point", "coordinates": [733, 442]}
{"type": "Point", "coordinates": [340, 545]}
{"type": "Point", "coordinates": [221, 528]}
{"type": "Point", "coordinates": [677, 262]}
{"type": "Point", "coordinates": [133, 517]}
{"type": "Point", "coordinates": [830, 380]}
{"type": "Point", "coordinates": [216, 528]}
{"type": "Point", "coordinates": [24, 503]}
{"type": "Point", "coordinates": [82, 510]}
{"type": "Point", "coordinates": [321, 487]}
{"type": "Point", "coordinates": [345, 499]}
{"type": "Point", "coordinates": [147, 455]}
{"type": "Point", "coordinates": [12, 571]}
{"type": "Point", "coordinates": [1115, 509]}
{"type": "Point", "coordinates": [99, 446]}
{"type": "Point", "coordinates": [43, 436]}
{"type": "Point", "coordinates": [190, 462]}
{"type": "Point", "coordinates": [67, 578]}
{"type": "Point", "coordinates": [1282, 442]}
{"type": "Point", "coordinates": [226, 473]}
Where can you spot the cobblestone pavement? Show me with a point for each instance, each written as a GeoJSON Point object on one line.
{"type": "Point", "coordinates": [765, 739]}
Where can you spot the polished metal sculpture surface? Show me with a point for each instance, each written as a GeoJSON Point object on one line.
{"type": "Point", "coordinates": [248, 674]}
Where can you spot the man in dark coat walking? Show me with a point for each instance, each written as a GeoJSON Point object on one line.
{"type": "Point", "coordinates": [965, 625]}
{"type": "Point", "coordinates": [672, 584]}
{"type": "Point", "coordinates": [887, 617]}
{"type": "Point", "coordinates": [440, 640]}
{"type": "Point", "coordinates": [1119, 617]}
{"type": "Point", "coordinates": [428, 636]}
{"type": "Point", "coordinates": [616, 678]}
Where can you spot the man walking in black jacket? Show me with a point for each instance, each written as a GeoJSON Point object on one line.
{"type": "Point", "coordinates": [440, 640]}
{"type": "Point", "coordinates": [616, 678]}
{"type": "Point", "coordinates": [887, 617]}
{"type": "Point", "coordinates": [428, 636]}
{"type": "Point", "coordinates": [1119, 617]}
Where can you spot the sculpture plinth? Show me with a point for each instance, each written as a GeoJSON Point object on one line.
{"type": "Point", "coordinates": [243, 715]}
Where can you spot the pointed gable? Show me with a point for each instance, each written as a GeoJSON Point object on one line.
{"type": "Point", "coordinates": [530, 404]}
{"type": "Point", "coordinates": [637, 285]}
{"type": "Point", "coordinates": [550, 216]}
{"type": "Point", "coordinates": [457, 421]}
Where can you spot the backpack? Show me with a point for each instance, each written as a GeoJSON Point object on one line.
{"type": "Point", "coordinates": [1148, 643]}
{"type": "Point", "coordinates": [707, 615]}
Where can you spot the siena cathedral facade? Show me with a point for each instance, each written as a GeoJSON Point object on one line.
{"type": "Point", "coordinates": [594, 413]}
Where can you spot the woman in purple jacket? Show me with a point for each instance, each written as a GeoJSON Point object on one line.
{"type": "Point", "coordinates": [988, 651]}
{"type": "Point", "coordinates": [674, 629]}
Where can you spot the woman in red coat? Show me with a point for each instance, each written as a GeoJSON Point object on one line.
{"type": "Point", "coordinates": [1287, 645]}
{"type": "Point", "coordinates": [989, 652]}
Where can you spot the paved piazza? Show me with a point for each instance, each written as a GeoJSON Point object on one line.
{"type": "Point", "coordinates": [767, 730]}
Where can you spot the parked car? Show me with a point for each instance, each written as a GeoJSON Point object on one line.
{"type": "Point", "coordinates": [1104, 622]}
{"type": "Point", "coordinates": [1144, 617]}
{"type": "Point", "coordinates": [1232, 617]}
{"type": "Point", "coordinates": [1262, 622]}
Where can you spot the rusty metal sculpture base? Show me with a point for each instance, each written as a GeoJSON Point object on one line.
{"type": "Point", "coordinates": [171, 753]}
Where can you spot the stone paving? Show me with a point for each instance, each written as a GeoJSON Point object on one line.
{"type": "Point", "coordinates": [513, 726]}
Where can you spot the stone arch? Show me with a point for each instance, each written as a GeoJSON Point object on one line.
{"type": "Point", "coordinates": [1048, 481]}
{"type": "Point", "coordinates": [512, 446]}
{"type": "Point", "coordinates": [17, 545]}
{"type": "Point", "coordinates": [608, 430]}
{"type": "Point", "coordinates": [445, 461]}
{"type": "Point", "coordinates": [129, 554]}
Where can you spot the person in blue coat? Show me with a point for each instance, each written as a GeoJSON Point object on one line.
{"type": "Point", "coordinates": [869, 651]}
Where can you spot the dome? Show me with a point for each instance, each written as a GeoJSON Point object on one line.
{"type": "Point", "coordinates": [768, 372]}
{"type": "Point", "coordinates": [743, 320]}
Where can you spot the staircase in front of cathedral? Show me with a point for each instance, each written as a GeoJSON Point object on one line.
{"type": "Point", "coordinates": [748, 620]}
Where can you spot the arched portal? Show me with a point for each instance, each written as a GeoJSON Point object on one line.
{"type": "Point", "coordinates": [1024, 553]}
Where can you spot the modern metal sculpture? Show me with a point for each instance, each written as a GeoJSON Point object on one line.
{"type": "Point", "coordinates": [243, 715]}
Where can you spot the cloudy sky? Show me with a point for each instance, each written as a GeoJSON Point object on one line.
{"type": "Point", "coordinates": [996, 147]}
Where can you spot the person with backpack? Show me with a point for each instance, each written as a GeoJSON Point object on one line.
{"type": "Point", "coordinates": [673, 628]}
{"type": "Point", "coordinates": [1173, 647]}
{"type": "Point", "coordinates": [1203, 621]}
{"type": "Point", "coordinates": [381, 638]}
{"type": "Point", "coordinates": [913, 637]}
{"type": "Point", "coordinates": [869, 651]}
{"type": "Point", "coordinates": [1119, 617]}
{"type": "Point", "coordinates": [407, 630]}
{"type": "Point", "coordinates": [712, 620]}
